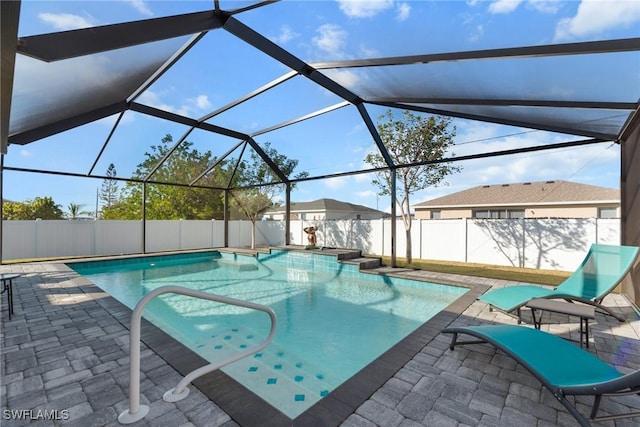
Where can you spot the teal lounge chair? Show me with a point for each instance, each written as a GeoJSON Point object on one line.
{"type": "Point", "coordinates": [562, 367]}
{"type": "Point", "coordinates": [601, 271]}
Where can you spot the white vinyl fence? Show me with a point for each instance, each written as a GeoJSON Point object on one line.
{"type": "Point", "coordinates": [558, 244]}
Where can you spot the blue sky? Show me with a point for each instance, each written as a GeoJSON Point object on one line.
{"type": "Point", "coordinates": [221, 69]}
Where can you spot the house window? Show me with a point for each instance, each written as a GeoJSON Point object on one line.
{"type": "Point", "coordinates": [436, 214]}
{"type": "Point", "coordinates": [498, 213]}
{"type": "Point", "coordinates": [516, 213]}
{"type": "Point", "coordinates": [606, 213]}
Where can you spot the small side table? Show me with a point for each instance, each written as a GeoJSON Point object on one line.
{"type": "Point", "coordinates": [7, 286]}
{"type": "Point", "coordinates": [584, 312]}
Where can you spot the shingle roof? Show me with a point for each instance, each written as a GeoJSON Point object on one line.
{"type": "Point", "coordinates": [526, 193]}
{"type": "Point", "coordinates": [324, 205]}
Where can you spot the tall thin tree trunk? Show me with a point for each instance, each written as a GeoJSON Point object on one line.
{"type": "Point", "coordinates": [408, 248]}
{"type": "Point", "coordinates": [253, 234]}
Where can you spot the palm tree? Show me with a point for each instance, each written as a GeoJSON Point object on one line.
{"type": "Point", "coordinates": [75, 211]}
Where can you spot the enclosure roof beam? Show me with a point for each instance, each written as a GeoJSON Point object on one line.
{"type": "Point", "coordinates": [86, 41]}
{"type": "Point", "coordinates": [114, 178]}
{"type": "Point", "coordinates": [168, 154]}
{"type": "Point", "coordinates": [268, 160]}
{"type": "Point", "coordinates": [489, 119]}
{"type": "Point", "coordinates": [106, 142]}
{"type": "Point", "coordinates": [250, 95]}
{"type": "Point", "coordinates": [506, 102]}
{"type": "Point", "coordinates": [9, 18]}
{"type": "Point", "coordinates": [563, 49]}
{"type": "Point", "coordinates": [268, 47]}
{"type": "Point", "coordinates": [176, 118]}
{"type": "Point", "coordinates": [302, 118]}
{"type": "Point", "coordinates": [217, 162]}
{"type": "Point", "coordinates": [376, 135]}
{"type": "Point", "coordinates": [66, 124]}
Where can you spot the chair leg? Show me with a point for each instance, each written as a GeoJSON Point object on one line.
{"type": "Point", "coordinates": [596, 406]}
{"type": "Point", "coordinates": [454, 338]}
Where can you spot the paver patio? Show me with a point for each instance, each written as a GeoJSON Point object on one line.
{"type": "Point", "coordinates": [65, 354]}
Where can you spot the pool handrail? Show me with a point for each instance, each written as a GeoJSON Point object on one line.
{"type": "Point", "coordinates": [136, 411]}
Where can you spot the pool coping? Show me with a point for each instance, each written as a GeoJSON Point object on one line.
{"type": "Point", "coordinates": [248, 409]}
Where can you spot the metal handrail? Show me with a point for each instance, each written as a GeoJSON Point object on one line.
{"type": "Point", "coordinates": [136, 411]}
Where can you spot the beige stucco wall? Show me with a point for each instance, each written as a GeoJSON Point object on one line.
{"type": "Point", "coordinates": [531, 212]}
{"type": "Point", "coordinates": [630, 194]}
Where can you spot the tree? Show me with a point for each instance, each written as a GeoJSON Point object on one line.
{"type": "Point", "coordinates": [38, 208]}
{"type": "Point", "coordinates": [109, 188]}
{"type": "Point", "coordinates": [255, 173]}
{"type": "Point", "coordinates": [412, 139]}
{"type": "Point", "coordinates": [166, 201]}
{"type": "Point", "coordinates": [75, 211]}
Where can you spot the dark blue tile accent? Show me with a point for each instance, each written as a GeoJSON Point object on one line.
{"type": "Point", "coordinates": [253, 369]}
{"type": "Point", "coordinates": [218, 347]}
{"type": "Point", "coordinates": [278, 366]}
{"type": "Point", "coordinates": [272, 380]}
{"type": "Point", "coordinates": [299, 398]}
{"type": "Point", "coordinates": [323, 393]}
{"type": "Point", "coordinates": [258, 355]}
{"type": "Point", "coordinates": [320, 376]}
{"type": "Point", "coordinates": [298, 378]}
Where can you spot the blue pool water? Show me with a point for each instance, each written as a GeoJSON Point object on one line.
{"type": "Point", "coordinates": [332, 319]}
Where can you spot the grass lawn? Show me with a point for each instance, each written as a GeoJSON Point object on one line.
{"type": "Point", "coordinates": [529, 275]}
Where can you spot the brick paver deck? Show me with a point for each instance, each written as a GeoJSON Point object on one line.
{"type": "Point", "coordinates": [65, 355]}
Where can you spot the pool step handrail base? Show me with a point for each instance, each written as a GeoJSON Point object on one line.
{"type": "Point", "coordinates": [127, 417]}
{"type": "Point", "coordinates": [171, 396]}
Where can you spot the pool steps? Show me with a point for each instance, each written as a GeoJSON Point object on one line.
{"type": "Point", "coordinates": [271, 367]}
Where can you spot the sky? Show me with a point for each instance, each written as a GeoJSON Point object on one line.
{"type": "Point", "coordinates": [221, 69]}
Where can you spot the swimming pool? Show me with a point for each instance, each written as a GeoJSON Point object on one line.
{"type": "Point", "coordinates": [332, 319]}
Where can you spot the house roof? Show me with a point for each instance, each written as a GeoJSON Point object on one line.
{"type": "Point", "coordinates": [324, 205]}
{"type": "Point", "coordinates": [526, 194]}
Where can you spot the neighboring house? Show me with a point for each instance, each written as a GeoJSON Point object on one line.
{"type": "Point", "coordinates": [543, 199]}
{"type": "Point", "coordinates": [325, 209]}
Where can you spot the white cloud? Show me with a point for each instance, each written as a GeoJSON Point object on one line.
{"type": "Point", "coordinates": [202, 102]}
{"type": "Point", "coordinates": [66, 21]}
{"type": "Point", "coordinates": [141, 6]}
{"type": "Point", "coordinates": [571, 164]}
{"type": "Point", "coordinates": [330, 39]}
{"type": "Point", "coordinates": [346, 78]}
{"type": "Point", "coordinates": [504, 6]}
{"type": "Point", "coordinates": [404, 10]}
{"type": "Point", "coordinates": [365, 194]}
{"type": "Point", "coordinates": [286, 35]}
{"type": "Point", "coordinates": [363, 8]}
{"type": "Point", "coordinates": [545, 6]}
{"type": "Point", "coordinates": [595, 17]}
{"type": "Point", "coordinates": [154, 99]}
{"type": "Point", "coordinates": [189, 107]}
{"type": "Point", "coordinates": [25, 153]}
{"type": "Point", "coordinates": [477, 33]}
{"type": "Point", "coordinates": [336, 182]}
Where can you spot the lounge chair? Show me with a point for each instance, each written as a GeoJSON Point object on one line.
{"type": "Point", "coordinates": [602, 269]}
{"type": "Point", "coordinates": [562, 367]}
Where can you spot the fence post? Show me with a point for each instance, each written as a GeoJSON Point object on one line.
{"type": "Point", "coordinates": [466, 239]}
{"type": "Point", "coordinates": [524, 243]}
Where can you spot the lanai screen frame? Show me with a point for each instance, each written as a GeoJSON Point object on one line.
{"type": "Point", "coordinates": [56, 46]}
